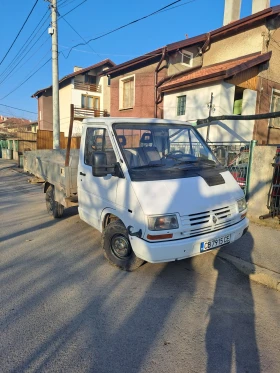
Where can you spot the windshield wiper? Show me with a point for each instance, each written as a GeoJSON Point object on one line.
{"type": "Point", "coordinates": [197, 162]}
{"type": "Point", "coordinates": [147, 166]}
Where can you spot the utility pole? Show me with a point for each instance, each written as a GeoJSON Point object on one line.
{"type": "Point", "coordinates": [211, 107]}
{"type": "Point", "coordinates": [55, 83]}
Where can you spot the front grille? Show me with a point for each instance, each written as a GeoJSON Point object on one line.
{"type": "Point", "coordinates": [203, 222]}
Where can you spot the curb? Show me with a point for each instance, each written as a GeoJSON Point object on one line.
{"type": "Point", "coordinates": [273, 223]}
{"type": "Point", "coordinates": [254, 272]}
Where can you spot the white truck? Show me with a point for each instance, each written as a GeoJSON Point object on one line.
{"type": "Point", "coordinates": [152, 187]}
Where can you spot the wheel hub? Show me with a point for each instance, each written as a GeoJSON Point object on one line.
{"type": "Point", "coordinates": [121, 246]}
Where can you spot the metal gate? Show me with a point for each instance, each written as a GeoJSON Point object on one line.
{"type": "Point", "coordinates": [236, 157]}
{"type": "Point", "coordinates": [273, 203]}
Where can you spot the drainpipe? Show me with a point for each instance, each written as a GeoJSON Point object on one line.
{"type": "Point", "coordinates": [156, 80]}
{"type": "Point", "coordinates": [168, 78]}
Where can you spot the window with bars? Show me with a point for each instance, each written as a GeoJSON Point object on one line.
{"type": "Point", "coordinates": [181, 105]}
{"type": "Point", "coordinates": [275, 106]}
{"type": "Point", "coordinates": [127, 92]}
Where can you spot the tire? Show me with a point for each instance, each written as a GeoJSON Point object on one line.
{"type": "Point", "coordinates": [117, 249]}
{"type": "Point", "coordinates": [55, 209]}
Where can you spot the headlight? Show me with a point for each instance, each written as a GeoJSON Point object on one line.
{"type": "Point", "coordinates": [164, 222]}
{"type": "Point", "coordinates": [242, 204]}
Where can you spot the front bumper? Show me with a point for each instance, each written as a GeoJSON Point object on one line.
{"type": "Point", "coordinates": [155, 252]}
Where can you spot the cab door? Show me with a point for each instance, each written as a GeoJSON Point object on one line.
{"type": "Point", "coordinates": [95, 193]}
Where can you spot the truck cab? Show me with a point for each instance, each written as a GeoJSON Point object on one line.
{"type": "Point", "coordinates": [156, 191]}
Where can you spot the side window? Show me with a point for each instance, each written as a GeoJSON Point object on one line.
{"type": "Point", "coordinates": [97, 139]}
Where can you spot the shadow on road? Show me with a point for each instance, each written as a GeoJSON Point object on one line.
{"type": "Point", "coordinates": [231, 336]}
{"type": "Point", "coordinates": [117, 334]}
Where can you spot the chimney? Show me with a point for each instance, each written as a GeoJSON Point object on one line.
{"type": "Point", "coordinates": [259, 5]}
{"type": "Point", "coordinates": [232, 11]}
{"type": "Point", "coordinates": [77, 68]}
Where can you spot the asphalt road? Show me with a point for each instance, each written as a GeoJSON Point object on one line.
{"type": "Point", "coordinates": [63, 308]}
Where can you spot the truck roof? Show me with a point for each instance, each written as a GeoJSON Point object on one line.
{"type": "Point", "coordinates": [111, 120]}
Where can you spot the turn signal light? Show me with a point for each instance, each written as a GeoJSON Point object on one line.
{"type": "Point", "coordinates": [159, 237]}
{"type": "Point", "coordinates": [243, 215]}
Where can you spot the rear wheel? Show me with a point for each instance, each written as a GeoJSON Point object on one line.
{"type": "Point", "coordinates": [117, 249]}
{"type": "Point", "coordinates": [54, 208]}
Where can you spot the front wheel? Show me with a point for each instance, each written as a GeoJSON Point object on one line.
{"type": "Point", "coordinates": [117, 249]}
{"type": "Point", "coordinates": [54, 208]}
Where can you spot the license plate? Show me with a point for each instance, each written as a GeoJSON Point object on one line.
{"type": "Point", "coordinates": [217, 242]}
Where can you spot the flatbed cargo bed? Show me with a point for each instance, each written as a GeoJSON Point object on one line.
{"type": "Point", "coordinates": [49, 165]}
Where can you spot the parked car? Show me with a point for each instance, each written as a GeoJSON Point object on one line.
{"type": "Point", "coordinates": [239, 172]}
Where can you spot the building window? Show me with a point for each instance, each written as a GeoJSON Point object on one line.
{"type": "Point", "coordinates": [186, 58]}
{"type": "Point", "coordinates": [181, 105]}
{"type": "Point", "coordinates": [90, 102]}
{"type": "Point", "coordinates": [127, 90]}
{"type": "Point", "coordinates": [90, 79]}
{"type": "Point", "coordinates": [275, 106]}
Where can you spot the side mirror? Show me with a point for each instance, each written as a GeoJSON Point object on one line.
{"type": "Point", "coordinates": [99, 164]}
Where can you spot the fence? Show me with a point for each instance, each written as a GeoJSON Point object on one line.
{"type": "Point", "coordinates": [45, 140]}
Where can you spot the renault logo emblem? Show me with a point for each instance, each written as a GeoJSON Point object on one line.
{"type": "Point", "coordinates": [214, 218]}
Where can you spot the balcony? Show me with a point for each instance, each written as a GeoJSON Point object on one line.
{"type": "Point", "coordinates": [87, 87]}
{"type": "Point", "coordinates": [81, 113]}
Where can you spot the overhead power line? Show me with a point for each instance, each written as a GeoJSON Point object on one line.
{"type": "Point", "coordinates": [19, 31]}
{"type": "Point", "coordinates": [62, 5]}
{"type": "Point", "coordinates": [126, 25]}
{"type": "Point", "coordinates": [73, 8]}
{"type": "Point", "coordinates": [79, 35]}
{"type": "Point", "coordinates": [23, 52]}
{"type": "Point", "coordinates": [25, 45]}
{"type": "Point", "coordinates": [29, 77]}
{"type": "Point", "coordinates": [16, 108]}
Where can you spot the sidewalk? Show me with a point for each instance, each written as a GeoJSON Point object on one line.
{"type": "Point", "coordinates": [256, 254]}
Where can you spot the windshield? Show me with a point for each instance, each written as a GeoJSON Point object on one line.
{"type": "Point", "coordinates": [163, 147]}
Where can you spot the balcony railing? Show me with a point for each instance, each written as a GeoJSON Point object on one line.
{"type": "Point", "coordinates": [80, 113]}
{"type": "Point", "coordinates": [87, 87]}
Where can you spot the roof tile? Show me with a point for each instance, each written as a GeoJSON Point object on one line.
{"type": "Point", "coordinates": [220, 70]}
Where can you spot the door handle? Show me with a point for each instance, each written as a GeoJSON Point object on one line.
{"type": "Point", "coordinates": [81, 173]}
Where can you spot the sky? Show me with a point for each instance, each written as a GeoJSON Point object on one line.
{"type": "Point", "coordinates": [27, 66]}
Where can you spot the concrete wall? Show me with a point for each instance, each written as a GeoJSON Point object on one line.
{"type": "Point", "coordinates": [262, 38]}
{"type": "Point", "coordinates": [174, 67]}
{"type": "Point", "coordinates": [272, 37]}
{"type": "Point", "coordinates": [235, 46]}
{"type": "Point", "coordinates": [261, 176]}
{"type": "Point", "coordinates": [223, 100]}
{"type": "Point", "coordinates": [64, 106]}
{"type": "Point", "coordinates": [196, 102]}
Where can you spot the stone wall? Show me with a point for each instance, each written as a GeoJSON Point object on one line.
{"type": "Point", "coordinates": [261, 176]}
